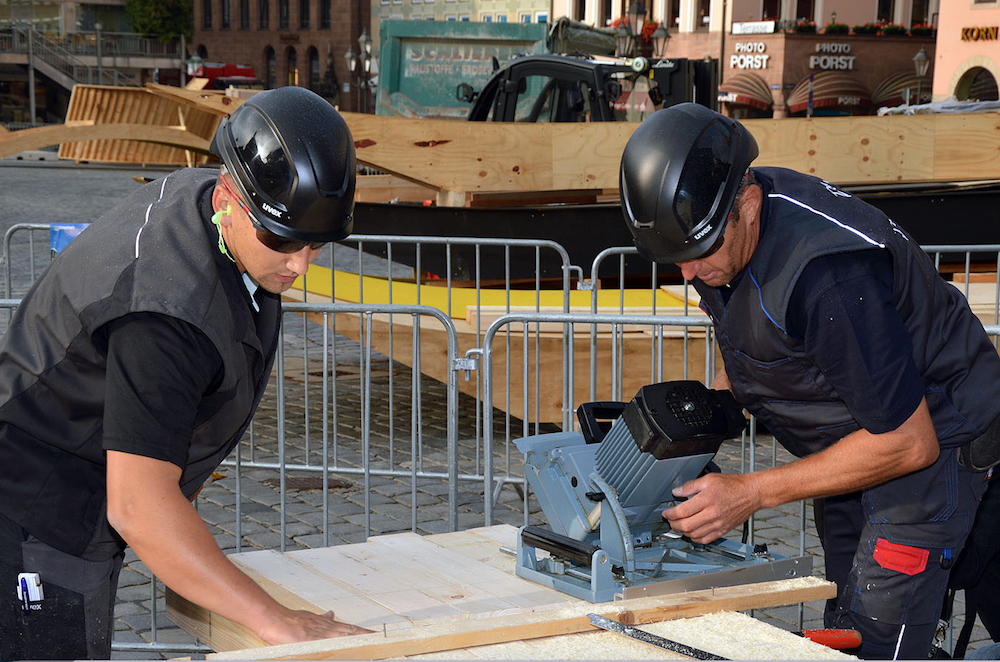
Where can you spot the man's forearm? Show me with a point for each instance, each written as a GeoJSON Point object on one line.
{"type": "Point", "coordinates": [858, 461]}
{"type": "Point", "coordinates": [148, 509]}
{"type": "Point", "coordinates": [166, 532]}
{"type": "Point", "coordinates": [716, 503]}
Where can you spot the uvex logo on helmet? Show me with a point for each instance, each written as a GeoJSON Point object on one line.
{"type": "Point", "coordinates": [270, 210]}
{"type": "Point", "coordinates": [701, 233]}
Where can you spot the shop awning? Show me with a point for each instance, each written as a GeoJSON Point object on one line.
{"type": "Point", "coordinates": [830, 89]}
{"type": "Point", "coordinates": [747, 89]}
{"type": "Point", "coordinates": [892, 90]}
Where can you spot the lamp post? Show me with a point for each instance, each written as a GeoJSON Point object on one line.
{"type": "Point", "coordinates": [660, 39]}
{"type": "Point", "coordinates": [361, 74]}
{"type": "Point", "coordinates": [920, 63]}
{"type": "Point", "coordinates": [628, 33]}
{"type": "Point", "coordinates": [100, 69]}
{"type": "Point", "coordinates": [623, 40]}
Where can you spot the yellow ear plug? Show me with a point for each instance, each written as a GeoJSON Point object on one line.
{"type": "Point", "coordinates": [217, 217]}
{"type": "Point", "coordinates": [217, 220]}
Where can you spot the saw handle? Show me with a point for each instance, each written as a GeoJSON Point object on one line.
{"type": "Point", "coordinates": [596, 418]}
{"type": "Point", "coordinates": [559, 545]}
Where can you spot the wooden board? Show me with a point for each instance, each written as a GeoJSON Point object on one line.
{"type": "Point", "coordinates": [441, 592]}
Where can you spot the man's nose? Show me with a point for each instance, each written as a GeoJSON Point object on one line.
{"type": "Point", "coordinates": [298, 262]}
{"type": "Point", "coordinates": [690, 268]}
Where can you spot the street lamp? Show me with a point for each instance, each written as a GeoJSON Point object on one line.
{"type": "Point", "coordinates": [920, 64]}
{"type": "Point", "coordinates": [360, 75]}
{"type": "Point", "coordinates": [624, 41]}
{"type": "Point", "coordinates": [660, 39]}
{"type": "Point", "coordinates": [628, 33]}
{"type": "Point", "coordinates": [636, 17]}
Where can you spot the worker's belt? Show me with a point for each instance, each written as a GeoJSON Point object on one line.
{"type": "Point", "coordinates": [983, 452]}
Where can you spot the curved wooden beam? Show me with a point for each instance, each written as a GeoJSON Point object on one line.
{"type": "Point", "coordinates": [211, 101]}
{"type": "Point", "coordinates": [14, 142]}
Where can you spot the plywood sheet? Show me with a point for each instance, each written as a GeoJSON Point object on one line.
{"type": "Point", "coordinates": [441, 592]}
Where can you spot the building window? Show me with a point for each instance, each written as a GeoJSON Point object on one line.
{"type": "Point", "coordinates": [674, 14]}
{"type": "Point", "coordinates": [244, 14]}
{"type": "Point", "coordinates": [486, 18]}
{"type": "Point", "coordinates": [324, 14]}
{"type": "Point", "coordinates": [270, 68]}
{"type": "Point", "coordinates": [282, 14]}
{"type": "Point", "coordinates": [264, 14]}
{"type": "Point", "coordinates": [226, 22]}
{"type": "Point", "coordinates": [206, 15]}
{"type": "Point", "coordinates": [314, 79]}
{"type": "Point", "coordinates": [704, 14]}
{"type": "Point", "coordinates": [884, 11]}
{"type": "Point", "coordinates": [804, 10]}
{"type": "Point", "coordinates": [771, 11]}
{"type": "Point", "coordinates": [451, 17]}
{"type": "Point", "coordinates": [501, 18]}
{"type": "Point", "coordinates": [303, 14]}
{"type": "Point", "coordinates": [293, 66]}
{"type": "Point", "coordinates": [524, 17]}
{"type": "Point", "coordinates": [541, 17]}
{"type": "Point", "coordinates": [465, 18]}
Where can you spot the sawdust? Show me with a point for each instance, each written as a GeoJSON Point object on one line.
{"type": "Point", "coordinates": [727, 634]}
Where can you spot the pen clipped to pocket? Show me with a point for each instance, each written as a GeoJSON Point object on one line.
{"type": "Point", "coordinates": [29, 590]}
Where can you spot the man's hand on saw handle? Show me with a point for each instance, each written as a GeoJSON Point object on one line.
{"type": "Point", "coordinates": [290, 626]}
{"type": "Point", "coordinates": [715, 505]}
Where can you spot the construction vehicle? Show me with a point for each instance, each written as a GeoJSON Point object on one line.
{"type": "Point", "coordinates": [584, 88]}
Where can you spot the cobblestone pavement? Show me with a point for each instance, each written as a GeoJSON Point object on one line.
{"type": "Point", "coordinates": [59, 192]}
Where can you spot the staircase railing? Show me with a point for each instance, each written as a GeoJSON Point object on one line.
{"type": "Point", "coordinates": [16, 40]}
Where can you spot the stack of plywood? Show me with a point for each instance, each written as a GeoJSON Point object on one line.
{"type": "Point", "coordinates": [422, 595]}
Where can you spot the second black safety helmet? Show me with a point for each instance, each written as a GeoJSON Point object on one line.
{"type": "Point", "coordinates": [292, 157]}
{"type": "Point", "coordinates": [680, 173]}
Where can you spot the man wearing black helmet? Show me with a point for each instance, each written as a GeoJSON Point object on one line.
{"type": "Point", "coordinates": [838, 334]}
{"type": "Point", "coordinates": [135, 363]}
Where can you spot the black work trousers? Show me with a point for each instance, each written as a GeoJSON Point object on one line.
{"type": "Point", "coordinates": [75, 618]}
{"type": "Point", "coordinates": [890, 549]}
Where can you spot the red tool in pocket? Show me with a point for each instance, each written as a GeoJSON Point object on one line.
{"type": "Point", "coordinates": [901, 558]}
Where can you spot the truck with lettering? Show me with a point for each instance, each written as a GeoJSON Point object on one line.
{"type": "Point", "coordinates": [421, 63]}
{"type": "Point", "coordinates": [527, 72]}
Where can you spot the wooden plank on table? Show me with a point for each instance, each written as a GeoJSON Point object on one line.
{"type": "Point", "coordinates": [407, 585]}
{"type": "Point", "coordinates": [544, 622]}
{"type": "Point", "coordinates": [463, 582]}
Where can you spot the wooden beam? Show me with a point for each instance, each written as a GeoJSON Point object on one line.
{"type": "Point", "coordinates": [14, 142]}
{"type": "Point", "coordinates": [212, 101]}
{"type": "Point", "coordinates": [492, 629]}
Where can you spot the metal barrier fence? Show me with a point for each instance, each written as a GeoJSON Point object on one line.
{"type": "Point", "coordinates": [364, 416]}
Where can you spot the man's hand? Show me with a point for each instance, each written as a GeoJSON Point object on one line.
{"type": "Point", "coordinates": [716, 504]}
{"type": "Point", "coordinates": [294, 626]}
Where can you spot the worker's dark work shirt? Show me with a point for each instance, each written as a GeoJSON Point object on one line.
{"type": "Point", "coordinates": [842, 311]}
{"type": "Point", "coordinates": [158, 369]}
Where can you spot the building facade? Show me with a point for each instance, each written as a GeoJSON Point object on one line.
{"type": "Point", "coordinates": [288, 42]}
{"type": "Point", "coordinates": [967, 62]}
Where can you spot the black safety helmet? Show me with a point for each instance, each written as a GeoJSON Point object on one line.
{"type": "Point", "coordinates": [292, 157]}
{"type": "Point", "coordinates": [680, 173]}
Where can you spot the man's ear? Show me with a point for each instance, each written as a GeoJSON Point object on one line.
{"type": "Point", "coordinates": [222, 204]}
{"type": "Point", "coordinates": [750, 205]}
